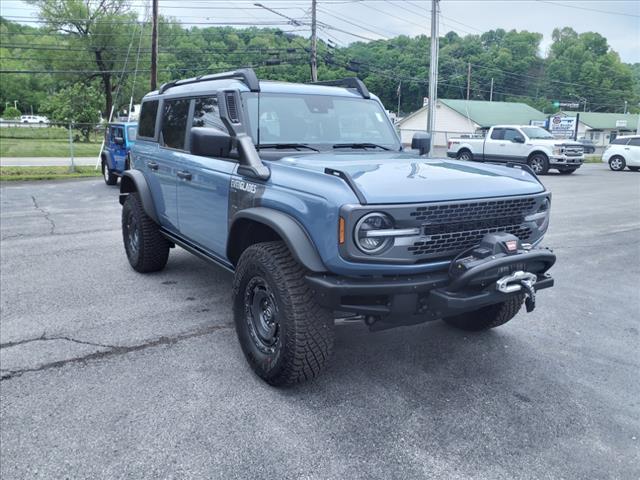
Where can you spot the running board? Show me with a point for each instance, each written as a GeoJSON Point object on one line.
{"type": "Point", "coordinates": [197, 251]}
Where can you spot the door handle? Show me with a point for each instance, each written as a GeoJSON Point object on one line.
{"type": "Point", "coordinates": [184, 175]}
{"type": "Point", "coordinates": [152, 165]}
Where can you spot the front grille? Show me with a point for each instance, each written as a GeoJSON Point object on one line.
{"type": "Point", "coordinates": [573, 151]}
{"type": "Point", "coordinates": [450, 228]}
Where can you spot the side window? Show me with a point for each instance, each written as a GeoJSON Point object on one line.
{"type": "Point", "coordinates": [174, 123]}
{"type": "Point", "coordinates": [147, 123]}
{"type": "Point", "coordinates": [510, 134]}
{"type": "Point", "coordinates": [635, 141]}
{"type": "Point", "coordinates": [619, 141]}
{"type": "Point", "coordinates": [131, 133]}
{"type": "Point", "coordinates": [206, 114]}
{"type": "Point", "coordinates": [118, 132]}
{"type": "Point", "coordinates": [497, 134]}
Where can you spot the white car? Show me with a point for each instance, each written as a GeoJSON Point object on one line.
{"type": "Point", "coordinates": [623, 152]}
{"type": "Point", "coordinates": [33, 119]}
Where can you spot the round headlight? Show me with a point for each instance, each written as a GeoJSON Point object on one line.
{"type": "Point", "coordinates": [366, 235]}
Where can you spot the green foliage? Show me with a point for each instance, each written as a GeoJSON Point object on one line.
{"type": "Point", "coordinates": [11, 113]}
{"type": "Point", "coordinates": [577, 64]}
{"type": "Point", "coordinates": [79, 104]}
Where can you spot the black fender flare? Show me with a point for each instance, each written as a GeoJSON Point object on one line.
{"type": "Point", "coordinates": [134, 181]}
{"type": "Point", "coordinates": [106, 157]}
{"type": "Point", "coordinates": [290, 230]}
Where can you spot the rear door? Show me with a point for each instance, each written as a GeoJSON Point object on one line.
{"type": "Point", "coordinates": [512, 150]}
{"type": "Point", "coordinates": [494, 145]}
{"type": "Point", "coordinates": [633, 152]}
{"type": "Point", "coordinates": [203, 189]}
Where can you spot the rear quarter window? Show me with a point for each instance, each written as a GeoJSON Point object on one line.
{"type": "Point", "coordinates": [147, 121]}
{"type": "Point", "coordinates": [174, 123]}
{"type": "Point", "coordinates": [635, 142]}
{"type": "Point", "coordinates": [620, 141]}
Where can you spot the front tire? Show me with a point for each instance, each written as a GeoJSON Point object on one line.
{"type": "Point", "coordinates": [146, 248]}
{"type": "Point", "coordinates": [539, 163]}
{"type": "Point", "coordinates": [487, 317]}
{"type": "Point", "coordinates": [617, 163]}
{"type": "Point", "coordinates": [107, 174]}
{"type": "Point", "coordinates": [285, 335]}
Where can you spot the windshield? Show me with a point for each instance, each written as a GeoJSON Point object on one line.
{"type": "Point", "coordinates": [131, 132]}
{"type": "Point", "coordinates": [536, 132]}
{"type": "Point", "coordinates": [319, 120]}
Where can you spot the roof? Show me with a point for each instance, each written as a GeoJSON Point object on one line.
{"type": "Point", "coordinates": [600, 121]}
{"type": "Point", "coordinates": [266, 86]}
{"type": "Point", "coordinates": [488, 114]}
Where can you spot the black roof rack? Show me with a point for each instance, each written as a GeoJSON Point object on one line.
{"type": "Point", "coordinates": [246, 75]}
{"type": "Point", "coordinates": [351, 82]}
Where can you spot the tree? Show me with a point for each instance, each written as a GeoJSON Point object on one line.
{"type": "Point", "coordinates": [11, 113]}
{"type": "Point", "coordinates": [78, 104]}
{"type": "Point", "coordinates": [102, 26]}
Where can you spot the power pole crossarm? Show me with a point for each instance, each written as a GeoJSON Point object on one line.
{"type": "Point", "coordinates": [433, 70]}
{"type": "Point", "coordinates": [314, 43]}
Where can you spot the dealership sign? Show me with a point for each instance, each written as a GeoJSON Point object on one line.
{"type": "Point", "coordinates": [621, 123]}
{"type": "Point", "coordinates": [562, 127]}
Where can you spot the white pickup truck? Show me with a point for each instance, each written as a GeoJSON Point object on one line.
{"type": "Point", "coordinates": [520, 144]}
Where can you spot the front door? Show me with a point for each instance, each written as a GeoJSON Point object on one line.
{"type": "Point", "coordinates": [203, 188]}
{"type": "Point", "coordinates": [118, 147]}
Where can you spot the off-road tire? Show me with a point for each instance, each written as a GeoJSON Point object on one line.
{"type": "Point", "coordinates": [487, 317]}
{"type": "Point", "coordinates": [617, 163]}
{"type": "Point", "coordinates": [539, 163]}
{"type": "Point", "coordinates": [465, 155]}
{"type": "Point", "coordinates": [303, 342]}
{"type": "Point", "coordinates": [566, 171]}
{"type": "Point", "coordinates": [108, 175]}
{"type": "Point", "coordinates": [151, 250]}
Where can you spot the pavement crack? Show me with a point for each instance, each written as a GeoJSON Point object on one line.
{"type": "Point", "coordinates": [45, 213]}
{"type": "Point", "coordinates": [112, 350]}
{"type": "Point", "coordinates": [44, 338]}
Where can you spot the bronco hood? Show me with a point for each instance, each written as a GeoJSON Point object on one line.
{"type": "Point", "coordinates": [396, 177]}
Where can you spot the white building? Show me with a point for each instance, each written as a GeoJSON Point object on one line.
{"type": "Point", "coordinates": [458, 117]}
{"type": "Point", "coordinates": [601, 128]}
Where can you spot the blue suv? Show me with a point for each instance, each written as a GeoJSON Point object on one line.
{"type": "Point", "coordinates": [118, 140]}
{"type": "Point", "coordinates": [306, 194]}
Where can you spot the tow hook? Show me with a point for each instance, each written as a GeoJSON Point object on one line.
{"type": "Point", "coordinates": [520, 281]}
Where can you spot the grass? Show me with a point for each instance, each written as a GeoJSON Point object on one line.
{"type": "Point", "coordinates": [592, 158]}
{"type": "Point", "coordinates": [37, 147]}
{"type": "Point", "coordinates": [11, 174]}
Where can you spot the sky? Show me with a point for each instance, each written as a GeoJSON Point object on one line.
{"type": "Point", "coordinates": [345, 21]}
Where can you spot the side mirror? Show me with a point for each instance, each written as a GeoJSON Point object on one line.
{"type": "Point", "coordinates": [421, 142]}
{"type": "Point", "coordinates": [118, 140]}
{"type": "Point", "coordinates": [210, 142]}
{"type": "Point", "coordinates": [518, 140]}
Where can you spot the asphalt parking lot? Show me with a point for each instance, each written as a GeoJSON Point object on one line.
{"type": "Point", "coordinates": [111, 374]}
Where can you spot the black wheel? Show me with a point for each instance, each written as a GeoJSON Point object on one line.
{"type": "Point", "coordinates": [539, 163]}
{"type": "Point", "coordinates": [487, 317]}
{"type": "Point", "coordinates": [617, 163]}
{"type": "Point", "coordinates": [284, 334]}
{"type": "Point", "coordinates": [147, 250]}
{"type": "Point", "coordinates": [566, 171]}
{"type": "Point", "coordinates": [634, 169]}
{"type": "Point", "coordinates": [464, 155]}
{"type": "Point", "coordinates": [109, 177]}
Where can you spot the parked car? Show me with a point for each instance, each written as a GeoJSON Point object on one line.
{"type": "Point", "coordinates": [520, 144]}
{"type": "Point", "coordinates": [623, 151]}
{"type": "Point", "coordinates": [115, 156]}
{"type": "Point", "coordinates": [587, 145]}
{"type": "Point", "coordinates": [305, 194]}
{"type": "Point", "coordinates": [33, 119]}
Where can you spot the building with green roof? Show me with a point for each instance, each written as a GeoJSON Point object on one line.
{"type": "Point", "coordinates": [458, 117]}
{"type": "Point", "coordinates": [601, 128]}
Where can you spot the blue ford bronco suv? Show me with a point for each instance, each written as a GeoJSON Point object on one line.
{"type": "Point", "coordinates": [305, 193]}
{"type": "Point", "coordinates": [119, 137]}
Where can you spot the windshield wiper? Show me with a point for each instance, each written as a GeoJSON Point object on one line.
{"type": "Point", "coordinates": [284, 146]}
{"type": "Point", "coordinates": [360, 145]}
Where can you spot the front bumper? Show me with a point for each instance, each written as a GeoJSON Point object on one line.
{"type": "Point", "coordinates": [565, 161]}
{"type": "Point", "coordinates": [403, 300]}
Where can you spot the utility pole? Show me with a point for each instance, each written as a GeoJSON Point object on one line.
{"type": "Point", "coordinates": [399, 92]}
{"type": "Point", "coordinates": [491, 92]}
{"type": "Point", "coordinates": [154, 45]}
{"type": "Point", "coordinates": [625, 107]}
{"type": "Point", "coordinates": [433, 70]}
{"type": "Point", "coordinates": [314, 43]}
{"type": "Point", "coordinates": [468, 79]}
